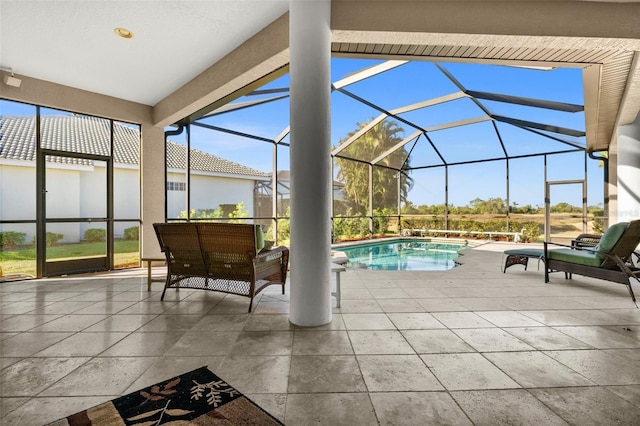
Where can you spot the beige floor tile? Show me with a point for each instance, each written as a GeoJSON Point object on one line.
{"type": "Point", "coordinates": [436, 341]}
{"type": "Point", "coordinates": [462, 320]}
{"type": "Point", "coordinates": [271, 322]}
{"type": "Point", "coordinates": [121, 323]}
{"type": "Point", "coordinates": [367, 322]}
{"type": "Point", "coordinates": [467, 372]}
{"type": "Point", "coordinates": [30, 376]}
{"type": "Point", "coordinates": [271, 307]}
{"type": "Point", "coordinates": [100, 376]}
{"type": "Point", "coordinates": [491, 340]}
{"type": "Point", "coordinates": [359, 306]}
{"type": "Point", "coordinates": [546, 338]}
{"type": "Point", "coordinates": [61, 308]}
{"type": "Point", "coordinates": [400, 305]}
{"type": "Point", "coordinates": [39, 411]}
{"type": "Point", "coordinates": [5, 362]}
{"type": "Point", "coordinates": [257, 373]}
{"type": "Point", "coordinates": [171, 323]}
{"type": "Point", "coordinates": [415, 321]}
{"type": "Point", "coordinates": [337, 323]}
{"type": "Point", "coordinates": [600, 337]}
{"type": "Point", "coordinates": [82, 344]}
{"type": "Point", "coordinates": [201, 343]}
{"type": "Point", "coordinates": [144, 344]}
{"type": "Point", "coordinates": [355, 293]}
{"type": "Point", "coordinates": [536, 370]}
{"type": "Point", "coordinates": [388, 293]}
{"type": "Point", "coordinates": [555, 318]}
{"type": "Point", "coordinates": [184, 307]}
{"type": "Point", "coordinates": [396, 373]}
{"type": "Point", "coordinates": [165, 368]}
{"type": "Point", "coordinates": [379, 342]}
{"type": "Point", "coordinates": [273, 403]}
{"type": "Point", "coordinates": [313, 342]}
{"type": "Point", "coordinates": [352, 409]}
{"type": "Point", "coordinates": [71, 323]}
{"type": "Point", "coordinates": [220, 323]}
{"type": "Point", "coordinates": [598, 366]}
{"type": "Point", "coordinates": [589, 406]}
{"type": "Point", "coordinates": [630, 355]}
{"type": "Point", "coordinates": [324, 374]}
{"type": "Point", "coordinates": [480, 304]}
{"type": "Point", "coordinates": [26, 344]}
{"type": "Point", "coordinates": [7, 405]}
{"type": "Point", "coordinates": [417, 408]}
{"type": "Point", "coordinates": [509, 319]}
{"type": "Point", "coordinates": [441, 305]}
{"type": "Point", "coordinates": [629, 393]}
{"type": "Point", "coordinates": [25, 322]}
{"type": "Point", "coordinates": [423, 292]}
{"type": "Point", "coordinates": [154, 307]}
{"type": "Point", "coordinates": [104, 307]}
{"type": "Point", "coordinates": [505, 407]}
{"type": "Point", "coordinates": [263, 343]}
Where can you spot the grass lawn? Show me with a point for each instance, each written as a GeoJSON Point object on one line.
{"type": "Point", "coordinates": [23, 260]}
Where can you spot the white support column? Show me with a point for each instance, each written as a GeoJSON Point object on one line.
{"type": "Point", "coordinates": [628, 172]}
{"type": "Point", "coordinates": [310, 154]}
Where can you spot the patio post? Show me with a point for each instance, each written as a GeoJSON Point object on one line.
{"type": "Point", "coordinates": [310, 157]}
{"type": "Point", "coordinates": [628, 171]}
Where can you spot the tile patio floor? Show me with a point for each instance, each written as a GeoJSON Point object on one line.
{"type": "Point", "coordinates": [466, 346]}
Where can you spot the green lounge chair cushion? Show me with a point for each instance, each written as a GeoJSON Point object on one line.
{"type": "Point", "coordinates": [580, 257]}
{"type": "Point", "coordinates": [259, 239]}
{"type": "Point", "coordinates": [610, 238]}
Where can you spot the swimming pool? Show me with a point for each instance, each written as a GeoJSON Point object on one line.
{"type": "Point", "coordinates": [403, 255]}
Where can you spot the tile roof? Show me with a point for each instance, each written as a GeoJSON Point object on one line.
{"type": "Point", "coordinates": [85, 134]}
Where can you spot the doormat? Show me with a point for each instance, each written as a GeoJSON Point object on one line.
{"type": "Point", "coordinates": [198, 397]}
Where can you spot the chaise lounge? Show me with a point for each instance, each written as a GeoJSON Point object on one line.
{"type": "Point", "coordinates": [609, 260]}
{"type": "Point", "coordinates": [223, 257]}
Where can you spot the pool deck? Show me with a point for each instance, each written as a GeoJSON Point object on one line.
{"type": "Point", "coordinates": [471, 345]}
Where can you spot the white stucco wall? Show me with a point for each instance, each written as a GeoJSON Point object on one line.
{"type": "Point", "coordinates": [209, 191]}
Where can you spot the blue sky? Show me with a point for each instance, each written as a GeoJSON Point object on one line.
{"type": "Point", "coordinates": [415, 82]}
{"type": "Point", "coordinates": [418, 81]}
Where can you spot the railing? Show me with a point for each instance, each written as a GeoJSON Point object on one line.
{"type": "Point", "coordinates": [517, 236]}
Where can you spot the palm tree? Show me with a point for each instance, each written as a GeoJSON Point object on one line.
{"type": "Point", "coordinates": [355, 175]}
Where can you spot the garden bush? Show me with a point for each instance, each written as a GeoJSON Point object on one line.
{"type": "Point", "coordinates": [95, 235]}
{"type": "Point", "coordinates": [11, 239]}
{"type": "Point", "coordinates": [53, 238]}
{"type": "Point", "coordinates": [132, 233]}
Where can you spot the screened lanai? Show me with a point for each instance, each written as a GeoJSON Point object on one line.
{"type": "Point", "coordinates": [418, 147]}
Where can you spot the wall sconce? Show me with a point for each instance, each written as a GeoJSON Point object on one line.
{"type": "Point", "coordinates": [11, 80]}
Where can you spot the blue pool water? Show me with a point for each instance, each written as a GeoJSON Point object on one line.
{"type": "Point", "coordinates": [403, 255]}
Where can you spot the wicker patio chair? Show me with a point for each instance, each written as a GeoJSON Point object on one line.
{"type": "Point", "coordinates": [220, 257]}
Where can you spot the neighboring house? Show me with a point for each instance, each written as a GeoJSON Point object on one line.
{"type": "Point", "coordinates": [77, 187]}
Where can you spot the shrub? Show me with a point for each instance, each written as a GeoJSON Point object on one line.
{"type": "Point", "coordinates": [53, 238]}
{"type": "Point", "coordinates": [132, 233]}
{"type": "Point", "coordinates": [12, 239]}
{"type": "Point", "coordinates": [95, 234]}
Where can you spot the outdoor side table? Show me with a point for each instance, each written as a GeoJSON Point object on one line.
{"type": "Point", "coordinates": [149, 261]}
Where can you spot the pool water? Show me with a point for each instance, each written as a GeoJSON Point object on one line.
{"type": "Point", "coordinates": [403, 255]}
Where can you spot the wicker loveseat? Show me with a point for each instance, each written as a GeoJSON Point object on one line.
{"type": "Point", "coordinates": [222, 257]}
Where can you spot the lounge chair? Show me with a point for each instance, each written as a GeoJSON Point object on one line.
{"type": "Point", "coordinates": [222, 257]}
{"type": "Point", "coordinates": [610, 259]}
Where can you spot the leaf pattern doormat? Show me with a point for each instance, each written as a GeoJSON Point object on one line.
{"type": "Point", "coordinates": [195, 398]}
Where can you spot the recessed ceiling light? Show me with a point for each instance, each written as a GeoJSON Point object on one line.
{"type": "Point", "coordinates": [123, 32]}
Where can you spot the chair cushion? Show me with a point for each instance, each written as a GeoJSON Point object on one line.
{"type": "Point", "coordinates": [610, 238]}
{"type": "Point", "coordinates": [259, 238]}
{"type": "Point", "coordinates": [579, 257]}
